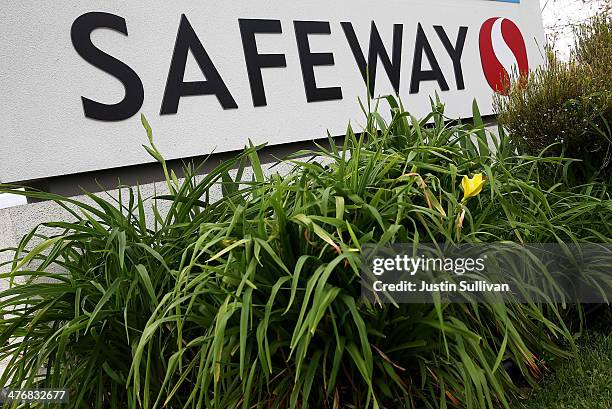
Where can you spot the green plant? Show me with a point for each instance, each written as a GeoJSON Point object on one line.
{"type": "Point", "coordinates": [593, 48]}
{"type": "Point", "coordinates": [583, 383]}
{"type": "Point", "coordinates": [253, 300]}
{"type": "Point", "coordinates": [566, 107]}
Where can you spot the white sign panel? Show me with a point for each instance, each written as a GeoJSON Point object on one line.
{"type": "Point", "coordinates": [209, 75]}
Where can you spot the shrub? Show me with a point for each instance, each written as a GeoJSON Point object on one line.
{"type": "Point", "coordinates": [253, 300]}
{"type": "Point", "coordinates": [567, 106]}
{"type": "Point", "coordinates": [593, 48]}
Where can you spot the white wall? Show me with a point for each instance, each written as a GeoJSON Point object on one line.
{"type": "Point", "coordinates": [46, 133]}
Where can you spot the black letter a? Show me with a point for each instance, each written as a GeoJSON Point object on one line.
{"type": "Point", "coordinates": [186, 40]}
{"type": "Point", "coordinates": [418, 74]}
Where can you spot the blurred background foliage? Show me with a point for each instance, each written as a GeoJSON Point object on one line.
{"type": "Point", "coordinates": [565, 107]}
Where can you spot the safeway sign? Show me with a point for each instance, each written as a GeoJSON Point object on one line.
{"type": "Point", "coordinates": [211, 74]}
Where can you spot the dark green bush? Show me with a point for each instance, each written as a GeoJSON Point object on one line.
{"type": "Point", "coordinates": [567, 106]}
{"type": "Point", "coordinates": [253, 300]}
{"type": "Point", "coordinates": [593, 48]}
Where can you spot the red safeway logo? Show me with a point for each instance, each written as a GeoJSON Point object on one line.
{"type": "Point", "coordinates": [502, 52]}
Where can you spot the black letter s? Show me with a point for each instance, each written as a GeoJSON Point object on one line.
{"type": "Point", "coordinates": [134, 90]}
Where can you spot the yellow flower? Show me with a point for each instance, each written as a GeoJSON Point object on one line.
{"type": "Point", "coordinates": [472, 187]}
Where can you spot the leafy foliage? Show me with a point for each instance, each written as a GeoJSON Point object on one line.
{"type": "Point", "coordinates": [593, 48]}
{"type": "Point", "coordinates": [253, 300]}
{"type": "Point", "coordinates": [567, 106]}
